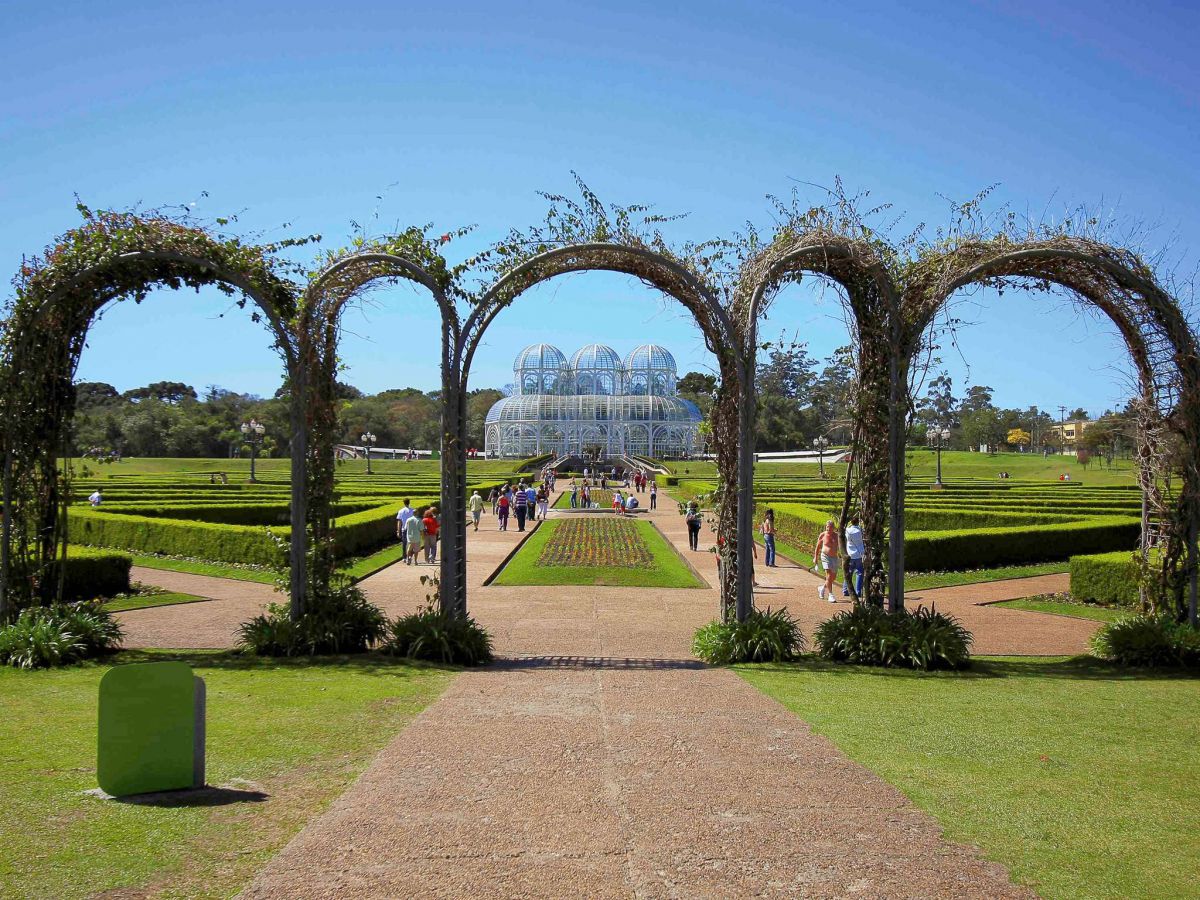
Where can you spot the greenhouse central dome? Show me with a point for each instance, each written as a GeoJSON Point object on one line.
{"type": "Point", "coordinates": [597, 400]}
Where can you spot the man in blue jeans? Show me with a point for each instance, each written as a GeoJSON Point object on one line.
{"type": "Point", "coordinates": [856, 550]}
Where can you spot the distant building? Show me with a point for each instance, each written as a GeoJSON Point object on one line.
{"type": "Point", "coordinates": [595, 400]}
{"type": "Point", "coordinates": [1070, 432]}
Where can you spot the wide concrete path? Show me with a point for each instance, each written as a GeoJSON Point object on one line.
{"type": "Point", "coordinates": [597, 759]}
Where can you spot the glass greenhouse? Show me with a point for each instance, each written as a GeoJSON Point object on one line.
{"type": "Point", "coordinates": [595, 400]}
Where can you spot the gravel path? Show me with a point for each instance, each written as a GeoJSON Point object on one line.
{"type": "Point", "coordinates": [598, 759]}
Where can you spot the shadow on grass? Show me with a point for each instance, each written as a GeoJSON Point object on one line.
{"type": "Point", "coordinates": [1076, 668]}
{"type": "Point", "coordinates": [230, 660]}
{"type": "Point", "coordinates": [198, 797]}
{"type": "Point", "coordinates": [595, 662]}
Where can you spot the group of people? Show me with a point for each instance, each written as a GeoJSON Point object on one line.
{"type": "Point", "coordinates": [523, 502]}
{"type": "Point", "coordinates": [827, 553]}
{"type": "Point", "coordinates": [418, 531]}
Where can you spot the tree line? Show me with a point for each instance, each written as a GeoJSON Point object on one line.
{"type": "Point", "coordinates": [169, 418]}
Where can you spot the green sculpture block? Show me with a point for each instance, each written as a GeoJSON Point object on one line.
{"type": "Point", "coordinates": [151, 734]}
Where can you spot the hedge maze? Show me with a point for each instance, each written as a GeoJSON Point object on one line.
{"type": "Point", "coordinates": [968, 525]}
{"type": "Point", "coordinates": [186, 515]}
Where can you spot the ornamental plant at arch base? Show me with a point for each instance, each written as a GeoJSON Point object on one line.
{"type": "Point", "coordinates": [892, 292]}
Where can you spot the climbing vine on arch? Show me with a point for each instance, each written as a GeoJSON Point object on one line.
{"type": "Point", "coordinates": [57, 294]}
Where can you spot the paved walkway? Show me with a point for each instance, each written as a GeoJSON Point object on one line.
{"type": "Point", "coordinates": [571, 622]}
{"type": "Point", "coordinates": [598, 759]}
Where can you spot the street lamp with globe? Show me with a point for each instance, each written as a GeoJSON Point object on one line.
{"type": "Point", "coordinates": [821, 443]}
{"type": "Point", "coordinates": [252, 432]}
{"type": "Point", "coordinates": [938, 436]}
{"type": "Point", "coordinates": [369, 440]}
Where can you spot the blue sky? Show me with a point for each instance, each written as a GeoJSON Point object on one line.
{"type": "Point", "coordinates": [457, 114]}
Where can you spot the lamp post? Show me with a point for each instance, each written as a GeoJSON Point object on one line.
{"type": "Point", "coordinates": [942, 435]}
{"type": "Point", "coordinates": [252, 432]}
{"type": "Point", "coordinates": [368, 442]}
{"type": "Point", "coordinates": [821, 443]}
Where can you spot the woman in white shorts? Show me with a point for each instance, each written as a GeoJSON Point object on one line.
{"type": "Point", "coordinates": [826, 551]}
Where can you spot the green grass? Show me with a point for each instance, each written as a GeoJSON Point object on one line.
{"type": "Point", "coordinates": [665, 570]}
{"type": "Point", "coordinates": [1077, 776]}
{"type": "Point", "coordinates": [956, 464]}
{"type": "Point", "coordinates": [363, 566]}
{"type": "Point", "coordinates": [149, 601]}
{"type": "Point", "coordinates": [201, 567]}
{"type": "Point", "coordinates": [358, 568]}
{"type": "Point", "coordinates": [1066, 608]}
{"type": "Point", "coordinates": [297, 731]}
{"type": "Point", "coordinates": [921, 581]}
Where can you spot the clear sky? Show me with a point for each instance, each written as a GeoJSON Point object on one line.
{"type": "Point", "coordinates": [306, 113]}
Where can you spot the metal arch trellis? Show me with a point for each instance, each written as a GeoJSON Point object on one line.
{"type": "Point", "coordinates": [672, 278]}
{"type": "Point", "coordinates": [892, 300]}
{"type": "Point", "coordinates": [343, 279]}
{"type": "Point", "coordinates": [111, 257]}
{"type": "Point", "coordinates": [1160, 342]}
{"type": "Point", "coordinates": [856, 266]}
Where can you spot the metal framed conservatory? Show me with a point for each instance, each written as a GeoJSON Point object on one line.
{"type": "Point", "coordinates": [595, 400]}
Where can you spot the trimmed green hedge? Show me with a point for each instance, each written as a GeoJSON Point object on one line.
{"type": "Point", "coordinates": [175, 537]}
{"type": "Point", "coordinates": [981, 547]}
{"type": "Point", "coordinates": [272, 514]}
{"type": "Point", "coordinates": [1105, 578]}
{"type": "Point", "coordinates": [93, 573]}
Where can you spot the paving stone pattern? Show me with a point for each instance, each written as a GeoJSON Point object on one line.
{"type": "Point", "coordinates": [598, 759]}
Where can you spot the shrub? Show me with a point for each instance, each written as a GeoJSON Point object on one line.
{"type": "Point", "coordinates": [766, 636]}
{"type": "Point", "coordinates": [174, 537]}
{"type": "Point", "coordinates": [1110, 578]}
{"type": "Point", "coordinates": [342, 622]}
{"type": "Point", "coordinates": [433, 635]}
{"type": "Point", "coordinates": [976, 547]}
{"type": "Point", "coordinates": [92, 573]}
{"type": "Point", "coordinates": [871, 636]}
{"type": "Point", "coordinates": [43, 637]}
{"type": "Point", "coordinates": [1148, 641]}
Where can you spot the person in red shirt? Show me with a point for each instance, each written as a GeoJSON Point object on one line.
{"type": "Point", "coordinates": [431, 534]}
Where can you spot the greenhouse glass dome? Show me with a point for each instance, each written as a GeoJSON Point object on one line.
{"type": "Point", "coordinates": [595, 400]}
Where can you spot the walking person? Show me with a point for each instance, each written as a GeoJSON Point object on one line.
{"type": "Point", "coordinates": [503, 504]}
{"type": "Point", "coordinates": [531, 501]}
{"type": "Point", "coordinates": [431, 534]}
{"type": "Point", "coordinates": [654, 495]}
{"type": "Point", "coordinates": [693, 525]}
{"type": "Point", "coordinates": [413, 528]}
{"type": "Point", "coordinates": [493, 498]}
{"type": "Point", "coordinates": [520, 506]}
{"type": "Point", "coordinates": [475, 505]}
{"type": "Point", "coordinates": [856, 552]}
{"type": "Point", "coordinates": [543, 502]}
{"type": "Point", "coordinates": [768, 532]}
{"type": "Point", "coordinates": [574, 494]}
{"type": "Point", "coordinates": [402, 518]}
{"type": "Point", "coordinates": [826, 552]}
{"type": "Point", "coordinates": [618, 503]}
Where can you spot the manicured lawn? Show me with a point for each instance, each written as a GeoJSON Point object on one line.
{"type": "Point", "coordinates": [296, 732]}
{"type": "Point", "coordinates": [147, 601]}
{"type": "Point", "coordinates": [358, 568]}
{"type": "Point", "coordinates": [598, 550]}
{"type": "Point", "coordinates": [921, 581]}
{"type": "Point", "coordinates": [1067, 608]}
{"type": "Point", "coordinates": [201, 567]}
{"type": "Point", "coordinates": [362, 566]}
{"type": "Point", "coordinates": [1079, 777]}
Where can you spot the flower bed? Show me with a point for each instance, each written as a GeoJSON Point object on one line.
{"type": "Point", "coordinates": [596, 541]}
